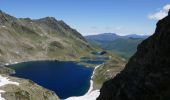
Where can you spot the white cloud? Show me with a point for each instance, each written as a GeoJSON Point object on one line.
{"type": "Point", "coordinates": [160, 14]}
{"type": "Point", "coordinates": [166, 7]}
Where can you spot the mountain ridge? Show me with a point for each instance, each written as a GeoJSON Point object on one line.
{"type": "Point", "coordinates": [39, 39]}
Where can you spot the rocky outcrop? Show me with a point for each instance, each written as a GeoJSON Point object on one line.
{"type": "Point", "coordinates": [147, 74]}
{"type": "Point", "coordinates": [6, 70]}
{"type": "Point", "coordinates": [26, 90]}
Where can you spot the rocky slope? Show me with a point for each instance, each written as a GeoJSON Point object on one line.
{"type": "Point", "coordinates": [26, 90]}
{"type": "Point", "coordinates": [108, 70]}
{"type": "Point", "coordinates": [147, 74]}
{"type": "Point", "coordinates": [24, 39]}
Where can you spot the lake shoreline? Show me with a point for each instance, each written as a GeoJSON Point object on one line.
{"type": "Point", "coordinates": [91, 94]}
{"type": "Point", "coordinates": [39, 60]}
{"type": "Point", "coordinates": [23, 74]}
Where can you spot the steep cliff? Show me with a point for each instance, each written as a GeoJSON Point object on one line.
{"type": "Point", "coordinates": [147, 74]}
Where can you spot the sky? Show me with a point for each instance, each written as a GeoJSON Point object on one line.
{"type": "Point", "coordinates": [94, 16]}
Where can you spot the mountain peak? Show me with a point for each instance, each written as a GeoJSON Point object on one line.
{"type": "Point", "coordinates": [1, 11]}
{"type": "Point", "coordinates": [49, 18]}
{"type": "Point", "coordinates": [6, 17]}
{"type": "Point", "coordinates": [169, 13]}
{"type": "Point", "coordinates": [113, 34]}
{"type": "Point", "coordinates": [4, 14]}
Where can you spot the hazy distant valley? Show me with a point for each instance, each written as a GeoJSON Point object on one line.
{"type": "Point", "coordinates": [124, 46]}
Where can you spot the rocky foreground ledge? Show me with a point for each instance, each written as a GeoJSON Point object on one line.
{"type": "Point", "coordinates": [147, 74]}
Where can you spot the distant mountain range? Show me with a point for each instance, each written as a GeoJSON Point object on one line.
{"type": "Point", "coordinates": [103, 37]}
{"type": "Point", "coordinates": [136, 36]}
{"type": "Point", "coordinates": [112, 36]}
{"type": "Point", "coordinates": [125, 46]}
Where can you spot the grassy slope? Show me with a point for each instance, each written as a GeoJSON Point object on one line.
{"type": "Point", "coordinates": [108, 70]}
{"type": "Point", "coordinates": [124, 47]}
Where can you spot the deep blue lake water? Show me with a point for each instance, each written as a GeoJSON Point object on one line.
{"type": "Point", "coordinates": [66, 79]}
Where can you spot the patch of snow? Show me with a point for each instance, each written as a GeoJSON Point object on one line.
{"type": "Point", "coordinates": [5, 81]}
{"type": "Point", "coordinates": [90, 96]}
{"type": "Point", "coordinates": [95, 70]}
{"type": "Point", "coordinates": [17, 52]}
{"type": "Point", "coordinates": [3, 26]}
{"type": "Point", "coordinates": [7, 64]}
{"type": "Point", "coordinates": [108, 70]}
{"type": "Point", "coordinates": [11, 62]}
{"type": "Point", "coordinates": [15, 62]}
{"type": "Point", "coordinates": [1, 91]}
